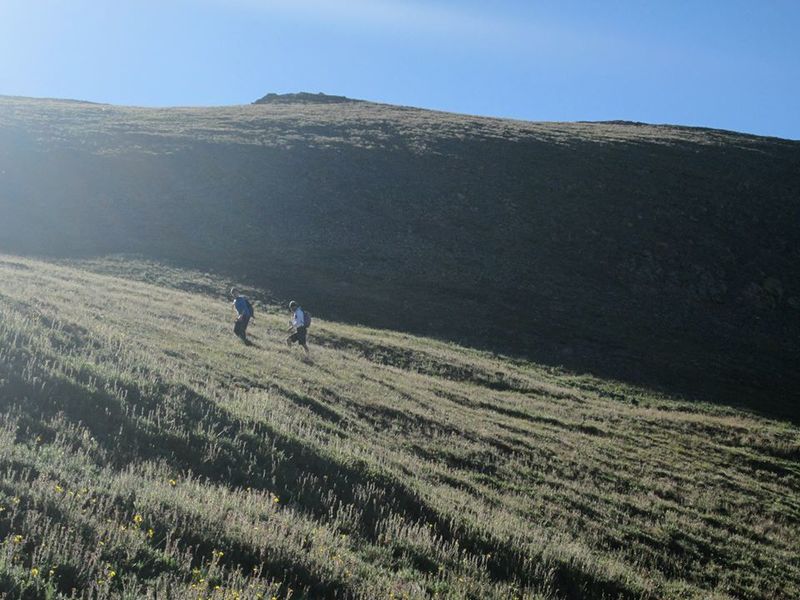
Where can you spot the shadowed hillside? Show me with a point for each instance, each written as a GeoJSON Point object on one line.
{"type": "Point", "coordinates": [147, 453]}
{"type": "Point", "coordinates": [660, 255]}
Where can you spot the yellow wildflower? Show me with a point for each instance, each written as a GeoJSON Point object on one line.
{"type": "Point", "coordinates": [18, 539]}
{"type": "Point", "coordinates": [34, 572]}
{"type": "Point", "coordinates": [137, 519]}
{"type": "Point", "coordinates": [173, 483]}
{"type": "Point", "coordinates": [112, 573]}
{"type": "Point", "coordinates": [59, 489]}
{"type": "Point", "coordinates": [150, 532]}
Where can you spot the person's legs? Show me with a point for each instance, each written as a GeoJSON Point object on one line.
{"type": "Point", "coordinates": [298, 336]}
{"type": "Point", "coordinates": [240, 328]}
{"type": "Point", "coordinates": [301, 338]}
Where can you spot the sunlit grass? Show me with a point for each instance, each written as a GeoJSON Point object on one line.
{"type": "Point", "coordinates": [145, 450]}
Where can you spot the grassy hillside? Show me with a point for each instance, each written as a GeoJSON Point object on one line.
{"type": "Point", "coordinates": [655, 254]}
{"type": "Point", "coordinates": [146, 451]}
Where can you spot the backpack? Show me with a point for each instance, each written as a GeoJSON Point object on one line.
{"type": "Point", "coordinates": [250, 308]}
{"type": "Point", "coordinates": [306, 319]}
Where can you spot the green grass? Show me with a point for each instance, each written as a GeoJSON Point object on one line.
{"type": "Point", "coordinates": [145, 451]}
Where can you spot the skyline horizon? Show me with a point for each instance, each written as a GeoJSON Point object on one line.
{"type": "Point", "coordinates": [691, 64]}
{"type": "Point", "coordinates": [620, 120]}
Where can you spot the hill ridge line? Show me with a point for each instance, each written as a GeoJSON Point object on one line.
{"type": "Point", "coordinates": [403, 107]}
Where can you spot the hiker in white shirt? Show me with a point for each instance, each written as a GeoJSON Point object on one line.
{"type": "Point", "coordinates": [299, 325]}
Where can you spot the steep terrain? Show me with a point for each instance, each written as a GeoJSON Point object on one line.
{"type": "Point", "coordinates": [146, 452]}
{"type": "Point", "coordinates": [661, 255]}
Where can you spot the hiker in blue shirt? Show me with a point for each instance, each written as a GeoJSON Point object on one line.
{"type": "Point", "coordinates": [300, 322]}
{"type": "Point", "coordinates": [244, 312]}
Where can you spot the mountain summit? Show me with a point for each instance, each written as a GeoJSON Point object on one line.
{"type": "Point", "coordinates": [303, 98]}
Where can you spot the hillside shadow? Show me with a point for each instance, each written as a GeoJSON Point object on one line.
{"type": "Point", "coordinates": [630, 253]}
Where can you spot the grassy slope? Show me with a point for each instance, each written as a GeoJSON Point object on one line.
{"type": "Point", "coordinates": [656, 254]}
{"type": "Point", "coordinates": [143, 448]}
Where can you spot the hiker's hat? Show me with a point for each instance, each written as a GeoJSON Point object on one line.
{"type": "Point", "coordinates": [292, 304]}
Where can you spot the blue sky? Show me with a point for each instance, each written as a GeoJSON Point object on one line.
{"type": "Point", "coordinates": [731, 64]}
